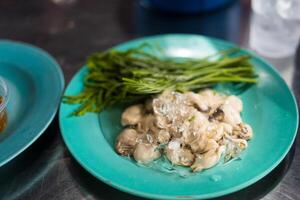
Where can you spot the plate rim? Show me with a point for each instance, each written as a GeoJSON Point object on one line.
{"type": "Point", "coordinates": [215, 194]}
{"type": "Point", "coordinates": [59, 73]}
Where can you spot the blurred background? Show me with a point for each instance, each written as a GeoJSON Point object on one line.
{"type": "Point", "coordinates": [71, 30]}
{"type": "Point", "coordinates": [270, 27]}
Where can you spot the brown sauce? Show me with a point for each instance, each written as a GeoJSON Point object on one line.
{"type": "Point", "coordinates": [3, 116]}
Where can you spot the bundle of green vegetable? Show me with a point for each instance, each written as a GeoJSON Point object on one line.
{"type": "Point", "coordinates": [125, 76]}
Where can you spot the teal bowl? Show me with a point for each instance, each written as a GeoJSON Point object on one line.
{"type": "Point", "coordinates": [269, 106]}
{"type": "Point", "coordinates": [32, 84]}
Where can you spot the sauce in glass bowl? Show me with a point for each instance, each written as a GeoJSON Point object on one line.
{"type": "Point", "coordinates": [3, 104]}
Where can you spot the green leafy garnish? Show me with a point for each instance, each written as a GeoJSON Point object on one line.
{"type": "Point", "coordinates": [115, 76]}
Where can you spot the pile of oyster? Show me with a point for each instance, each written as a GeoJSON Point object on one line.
{"type": "Point", "coordinates": [190, 129]}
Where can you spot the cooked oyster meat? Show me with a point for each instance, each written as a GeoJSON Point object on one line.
{"type": "Point", "coordinates": [195, 129]}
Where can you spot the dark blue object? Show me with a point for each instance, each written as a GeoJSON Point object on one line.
{"type": "Point", "coordinates": [223, 24]}
{"type": "Point", "coordinates": [185, 6]}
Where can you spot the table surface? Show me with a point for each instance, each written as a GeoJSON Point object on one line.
{"type": "Point", "coordinates": [70, 30]}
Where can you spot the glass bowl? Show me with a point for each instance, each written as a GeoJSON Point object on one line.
{"type": "Point", "coordinates": [4, 98]}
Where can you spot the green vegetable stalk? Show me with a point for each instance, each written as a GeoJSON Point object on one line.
{"type": "Point", "coordinates": [126, 76]}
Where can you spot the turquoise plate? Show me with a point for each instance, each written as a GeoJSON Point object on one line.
{"type": "Point", "coordinates": [269, 107]}
{"type": "Point", "coordinates": [35, 84]}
